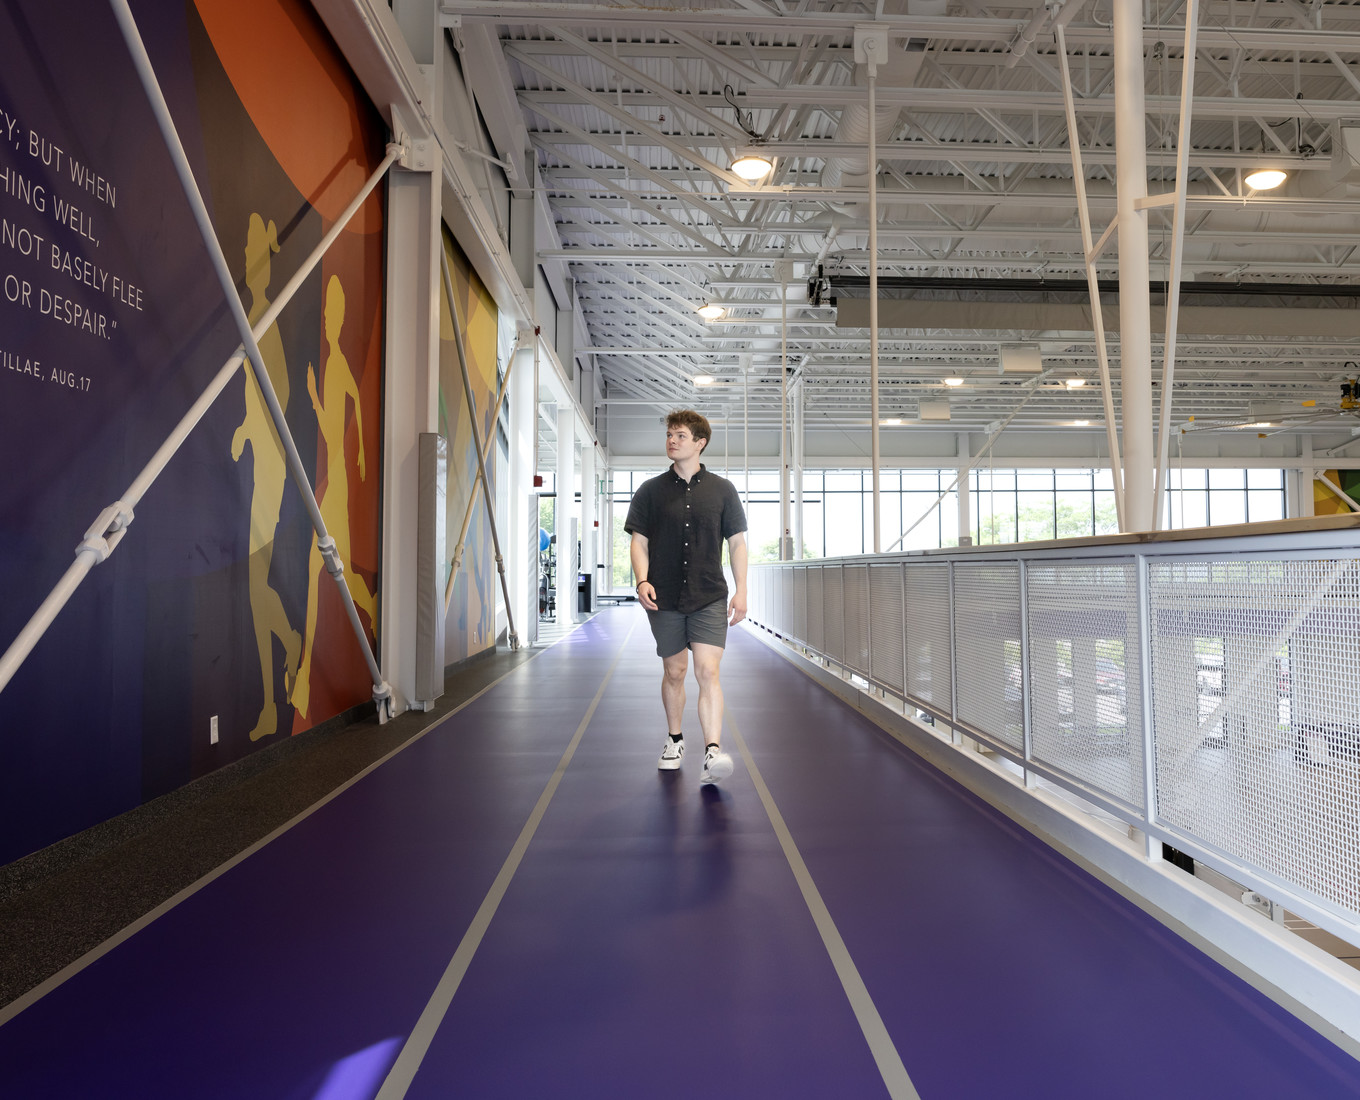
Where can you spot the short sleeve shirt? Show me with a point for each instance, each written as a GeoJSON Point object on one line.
{"type": "Point", "coordinates": [685, 524]}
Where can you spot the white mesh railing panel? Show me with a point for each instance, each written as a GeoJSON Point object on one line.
{"type": "Point", "coordinates": [833, 618]}
{"type": "Point", "coordinates": [927, 633]}
{"type": "Point", "coordinates": [1256, 722]}
{"type": "Point", "coordinates": [855, 599]}
{"type": "Point", "coordinates": [987, 618]}
{"type": "Point", "coordinates": [810, 607]}
{"type": "Point", "coordinates": [776, 601]}
{"type": "Point", "coordinates": [886, 636]}
{"type": "Point", "coordinates": [1085, 692]}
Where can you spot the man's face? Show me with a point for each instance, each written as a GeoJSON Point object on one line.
{"type": "Point", "coordinates": [680, 445]}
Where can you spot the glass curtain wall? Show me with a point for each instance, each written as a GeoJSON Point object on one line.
{"type": "Point", "coordinates": [1007, 505]}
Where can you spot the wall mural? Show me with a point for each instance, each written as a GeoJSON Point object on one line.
{"type": "Point", "coordinates": [215, 609]}
{"type": "Point", "coordinates": [470, 625]}
{"type": "Point", "coordinates": [1326, 502]}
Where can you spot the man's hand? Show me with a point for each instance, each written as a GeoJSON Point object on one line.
{"type": "Point", "coordinates": [647, 595]}
{"type": "Point", "coordinates": [736, 610]}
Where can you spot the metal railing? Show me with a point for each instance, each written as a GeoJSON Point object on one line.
{"type": "Point", "coordinates": [1205, 690]}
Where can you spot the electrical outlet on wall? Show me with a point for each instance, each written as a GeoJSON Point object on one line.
{"type": "Point", "coordinates": [212, 730]}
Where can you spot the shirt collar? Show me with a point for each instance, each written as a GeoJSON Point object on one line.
{"type": "Point", "coordinates": [676, 477]}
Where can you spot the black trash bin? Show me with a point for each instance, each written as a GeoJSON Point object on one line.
{"type": "Point", "coordinates": [583, 592]}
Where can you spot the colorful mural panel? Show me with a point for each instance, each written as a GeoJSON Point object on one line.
{"type": "Point", "coordinates": [212, 613]}
{"type": "Point", "coordinates": [470, 625]}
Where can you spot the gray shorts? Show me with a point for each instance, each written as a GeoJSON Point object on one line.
{"type": "Point", "coordinates": [674, 630]}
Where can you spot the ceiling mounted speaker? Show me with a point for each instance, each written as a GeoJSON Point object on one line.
{"type": "Point", "coordinates": [1024, 358]}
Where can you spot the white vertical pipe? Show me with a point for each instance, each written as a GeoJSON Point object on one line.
{"type": "Point", "coordinates": [565, 502]}
{"type": "Point", "coordinates": [799, 404]}
{"type": "Point", "coordinates": [965, 504]}
{"type": "Point", "coordinates": [1173, 282]}
{"type": "Point", "coordinates": [873, 287]}
{"type": "Point", "coordinates": [746, 435]}
{"type": "Point", "coordinates": [784, 554]}
{"type": "Point", "coordinates": [1306, 467]}
{"type": "Point", "coordinates": [590, 542]}
{"type": "Point", "coordinates": [1135, 306]}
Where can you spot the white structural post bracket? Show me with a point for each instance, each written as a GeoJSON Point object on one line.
{"type": "Point", "coordinates": [382, 693]}
{"type": "Point", "coordinates": [481, 477]}
{"type": "Point", "coordinates": [1092, 280]}
{"type": "Point", "coordinates": [1173, 279]}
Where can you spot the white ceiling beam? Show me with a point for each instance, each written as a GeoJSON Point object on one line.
{"type": "Point", "coordinates": [629, 121]}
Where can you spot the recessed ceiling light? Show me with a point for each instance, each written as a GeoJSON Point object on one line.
{"type": "Point", "coordinates": [891, 422]}
{"type": "Point", "coordinates": [704, 379]}
{"type": "Point", "coordinates": [1264, 179]}
{"type": "Point", "coordinates": [953, 381]}
{"type": "Point", "coordinates": [752, 167]}
{"type": "Point", "coordinates": [711, 311]}
{"type": "Point", "coordinates": [1075, 383]}
{"type": "Point", "coordinates": [1081, 423]}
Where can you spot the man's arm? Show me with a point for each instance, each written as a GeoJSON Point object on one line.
{"type": "Point", "coordinates": [641, 559]}
{"type": "Point", "coordinates": [736, 552]}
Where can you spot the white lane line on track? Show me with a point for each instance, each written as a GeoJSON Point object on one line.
{"type": "Point", "coordinates": [407, 1065]}
{"type": "Point", "coordinates": [885, 1054]}
{"type": "Point", "coordinates": [38, 992]}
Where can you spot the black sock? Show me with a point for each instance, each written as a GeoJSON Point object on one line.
{"type": "Point", "coordinates": [713, 745]}
{"type": "Point", "coordinates": [677, 737]}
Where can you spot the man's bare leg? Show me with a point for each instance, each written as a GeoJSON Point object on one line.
{"type": "Point", "coordinates": [673, 690]}
{"type": "Point", "coordinates": [707, 659]}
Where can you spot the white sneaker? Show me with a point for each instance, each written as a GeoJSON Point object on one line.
{"type": "Point", "coordinates": [671, 752]}
{"type": "Point", "coordinates": [717, 765]}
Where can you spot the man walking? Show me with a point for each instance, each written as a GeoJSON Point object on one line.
{"type": "Point", "coordinates": [678, 521]}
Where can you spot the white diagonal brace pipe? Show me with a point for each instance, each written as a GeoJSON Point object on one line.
{"type": "Point", "coordinates": [107, 531]}
{"type": "Point", "coordinates": [382, 692]}
{"type": "Point", "coordinates": [1173, 279]}
{"type": "Point", "coordinates": [477, 446]}
{"type": "Point", "coordinates": [1092, 282]}
{"type": "Point", "coordinates": [1033, 386]}
{"type": "Point", "coordinates": [486, 453]}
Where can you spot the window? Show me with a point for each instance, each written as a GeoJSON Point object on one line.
{"type": "Point", "coordinates": [1201, 498]}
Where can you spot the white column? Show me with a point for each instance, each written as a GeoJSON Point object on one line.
{"type": "Point", "coordinates": [523, 413]}
{"type": "Point", "coordinates": [410, 406]}
{"type": "Point", "coordinates": [785, 538]}
{"type": "Point", "coordinates": [799, 406]}
{"type": "Point", "coordinates": [590, 537]}
{"type": "Point", "coordinates": [965, 503]}
{"type": "Point", "coordinates": [1135, 310]}
{"type": "Point", "coordinates": [1304, 480]}
{"type": "Point", "coordinates": [566, 509]}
